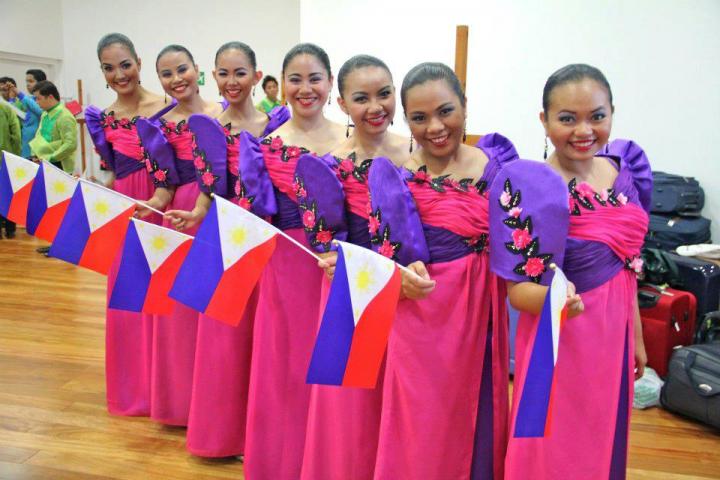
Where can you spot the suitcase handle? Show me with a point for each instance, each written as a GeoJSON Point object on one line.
{"type": "Point", "coordinates": [702, 389]}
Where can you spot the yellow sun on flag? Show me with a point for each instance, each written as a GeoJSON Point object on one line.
{"type": "Point", "coordinates": [238, 236]}
{"type": "Point", "coordinates": [158, 243]}
{"type": "Point", "coordinates": [20, 173]}
{"type": "Point", "coordinates": [59, 187]}
{"type": "Point", "coordinates": [364, 279]}
{"type": "Point", "coordinates": [102, 208]}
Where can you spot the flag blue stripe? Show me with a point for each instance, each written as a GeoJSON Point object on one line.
{"type": "Point", "coordinates": [6, 192]}
{"type": "Point", "coordinates": [533, 406]}
{"type": "Point", "coordinates": [37, 204]}
{"type": "Point", "coordinates": [74, 231]}
{"type": "Point", "coordinates": [202, 269]}
{"type": "Point", "coordinates": [332, 347]}
{"type": "Point", "coordinates": [133, 278]}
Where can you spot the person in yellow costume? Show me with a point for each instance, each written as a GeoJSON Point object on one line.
{"type": "Point", "coordinates": [56, 138]}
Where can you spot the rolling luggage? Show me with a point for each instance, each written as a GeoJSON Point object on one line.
{"type": "Point", "coordinates": [702, 279]}
{"type": "Point", "coordinates": [669, 232]}
{"type": "Point", "coordinates": [676, 194]}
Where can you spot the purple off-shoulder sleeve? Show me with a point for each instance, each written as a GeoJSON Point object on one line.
{"type": "Point", "coordinates": [255, 177]}
{"type": "Point", "coordinates": [634, 158]}
{"type": "Point", "coordinates": [529, 221]}
{"type": "Point", "coordinates": [321, 199]}
{"type": "Point", "coordinates": [210, 154]}
{"type": "Point", "coordinates": [278, 116]}
{"type": "Point", "coordinates": [93, 121]}
{"type": "Point", "coordinates": [154, 118]}
{"type": "Point", "coordinates": [159, 154]}
{"type": "Point", "coordinates": [499, 150]}
{"type": "Point", "coordinates": [395, 227]}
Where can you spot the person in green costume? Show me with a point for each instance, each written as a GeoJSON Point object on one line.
{"type": "Point", "coordinates": [270, 87]}
{"type": "Point", "coordinates": [56, 138]}
{"type": "Point", "coordinates": [10, 142]}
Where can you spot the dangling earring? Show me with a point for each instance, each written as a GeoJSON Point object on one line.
{"type": "Point", "coordinates": [411, 143]}
{"type": "Point", "coordinates": [347, 129]}
{"type": "Point", "coordinates": [546, 148]}
{"type": "Point", "coordinates": [219, 93]}
{"type": "Point", "coordinates": [391, 123]}
{"type": "Point", "coordinates": [107, 86]}
{"type": "Point", "coordinates": [139, 82]}
{"type": "Point", "coordinates": [464, 133]}
{"type": "Point", "coordinates": [253, 91]}
{"type": "Point", "coordinates": [330, 98]}
{"type": "Point", "coordinates": [165, 98]}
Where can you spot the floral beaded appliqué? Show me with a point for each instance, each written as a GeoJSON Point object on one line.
{"type": "Point", "coordinates": [287, 152]}
{"type": "Point", "coordinates": [381, 237]}
{"type": "Point", "coordinates": [534, 264]}
{"type": "Point", "coordinates": [348, 168]}
{"type": "Point", "coordinates": [313, 224]}
{"type": "Point", "coordinates": [158, 175]}
{"type": "Point", "coordinates": [108, 120]}
{"type": "Point", "coordinates": [203, 167]}
{"type": "Point", "coordinates": [582, 195]}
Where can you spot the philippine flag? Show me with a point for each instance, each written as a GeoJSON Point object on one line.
{"type": "Point", "coordinates": [535, 406]}
{"type": "Point", "coordinates": [49, 200]}
{"type": "Point", "coordinates": [151, 258]}
{"type": "Point", "coordinates": [94, 226]}
{"type": "Point", "coordinates": [356, 323]}
{"type": "Point", "coordinates": [16, 181]}
{"type": "Point", "coordinates": [230, 251]}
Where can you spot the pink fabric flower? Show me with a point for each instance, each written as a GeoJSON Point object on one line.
{"type": "Point", "coordinates": [421, 176]}
{"type": "Point", "coordinates": [207, 179]}
{"type": "Point", "coordinates": [324, 236]}
{"type": "Point", "coordinates": [472, 241]}
{"type": "Point", "coordinates": [238, 188]}
{"type": "Point", "coordinates": [521, 238]}
{"type": "Point", "coordinates": [637, 265]}
{"type": "Point", "coordinates": [347, 166]}
{"type": "Point", "coordinates": [108, 121]}
{"type": "Point", "coordinates": [604, 195]}
{"type": "Point", "coordinates": [244, 203]}
{"type": "Point", "coordinates": [622, 198]}
{"type": "Point", "coordinates": [505, 199]}
{"type": "Point", "coordinates": [373, 225]}
{"type": "Point", "coordinates": [159, 175]}
{"type": "Point", "coordinates": [584, 190]}
{"type": "Point", "coordinates": [515, 212]}
{"type": "Point", "coordinates": [293, 152]}
{"type": "Point", "coordinates": [386, 249]}
{"type": "Point", "coordinates": [103, 164]}
{"type": "Point", "coordinates": [276, 143]}
{"type": "Point", "coordinates": [233, 165]}
{"type": "Point", "coordinates": [534, 267]}
{"type": "Point", "coordinates": [299, 190]}
{"type": "Point", "coordinates": [170, 125]}
{"type": "Point", "coordinates": [309, 219]}
{"type": "Point", "coordinates": [148, 165]}
{"type": "Point", "coordinates": [199, 163]}
{"type": "Point", "coordinates": [124, 122]}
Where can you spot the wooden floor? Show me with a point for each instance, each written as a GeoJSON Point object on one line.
{"type": "Point", "coordinates": [53, 422]}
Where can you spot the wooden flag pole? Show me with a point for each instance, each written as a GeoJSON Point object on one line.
{"type": "Point", "coordinates": [81, 121]}
{"type": "Point", "coordinates": [461, 57]}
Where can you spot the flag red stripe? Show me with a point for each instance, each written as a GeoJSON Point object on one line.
{"type": "Point", "coordinates": [237, 283]}
{"type": "Point", "coordinates": [51, 220]}
{"type": "Point", "coordinates": [371, 336]}
{"type": "Point", "coordinates": [157, 300]}
{"type": "Point", "coordinates": [104, 243]}
{"type": "Point", "coordinates": [19, 204]}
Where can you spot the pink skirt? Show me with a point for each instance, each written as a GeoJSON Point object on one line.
{"type": "Point", "coordinates": [286, 322]}
{"type": "Point", "coordinates": [174, 339]}
{"type": "Point", "coordinates": [592, 392]}
{"type": "Point", "coordinates": [128, 335]}
{"type": "Point", "coordinates": [435, 364]}
{"type": "Point", "coordinates": [342, 428]}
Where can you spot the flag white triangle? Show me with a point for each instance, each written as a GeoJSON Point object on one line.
{"type": "Point", "coordinates": [20, 170]}
{"type": "Point", "coordinates": [102, 205]}
{"type": "Point", "coordinates": [558, 297]}
{"type": "Point", "coordinates": [367, 274]}
{"type": "Point", "coordinates": [158, 242]}
{"type": "Point", "coordinates": [59, 186]}
{"type": "Point", "coordinates": [240, 231]}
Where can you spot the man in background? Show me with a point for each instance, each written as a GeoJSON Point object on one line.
{"type": "Point", "coordinates": [26, 102]}
{"type": "Point", "coordinates": [9, 141]}
{"type": "Point", "coordinates": [270, 87]}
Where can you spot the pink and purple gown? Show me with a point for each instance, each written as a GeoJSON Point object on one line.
{"type": "Point", "coordinates": [219, 397]}
{"type": "Point", "coordinates": [128, 336]}
{"type": "Point", "coordinates": [597, 241]}
{"type": "Point", "coordinates": [343, 423]}
{"type": "Point", "coordinates": [286, 322]}
{"type": "Point", "coordinates": [445, 392]}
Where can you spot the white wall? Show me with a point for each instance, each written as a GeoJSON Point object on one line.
{"type": "Point", "coordinates": [31, 28]}
{"type": "Point", "coordinates": [660, 56]}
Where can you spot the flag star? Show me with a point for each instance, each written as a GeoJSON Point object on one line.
{"type": "Point", "coordinates": [20, 173]}
{"type": "Point", "coordinates": [364, 279]}
{"type": "Point", "coordinates": [238, 236]}
{"type": "Point", "coordinates": [102, 208]}
{"type": "Point", "coordinates": [59, 187]}
{"type": "Point", "coordinates": [159, 243]}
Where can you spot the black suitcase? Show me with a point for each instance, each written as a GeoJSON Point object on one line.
{"type": "Point", "coordinates": [668, 232]}
{"type": "Point", "coordinates": [702, 279]}
{"type": "Point", "coordinates": [676, 194]}
{"type": "Point", "coordinates": [692, 387]}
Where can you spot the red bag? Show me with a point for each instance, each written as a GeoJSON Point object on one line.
{"type": "Point", "coordinates": [668, 324]}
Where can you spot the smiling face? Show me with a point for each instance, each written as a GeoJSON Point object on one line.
{"type": "Point", "coordinates": [307, 85]}
{"type": "Point", "coordinates": [271, 90]}
{"type": "Point", "coordinates": [178, 75]}
{"type": "Point", "coordinates": [369, 99]}
{"type": "Point", "coordinates": [578, 120]}
{"type": "Point", "coordinates": [121, 70]}
{"type": "Point", "coordinates": [436, 117]}
{"type": "Point", "coordinates": [235, 76]}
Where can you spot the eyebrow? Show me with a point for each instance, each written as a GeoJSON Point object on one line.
{"type": "Point", "coordinates": [444, 105]}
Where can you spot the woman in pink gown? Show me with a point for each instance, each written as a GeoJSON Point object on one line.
{"type": "Point", "coordinates": [585, 209]}
{"type": "Point", "coordinates": [169, 160]}
{"type": "Point", "coordinates": [446, 375]}
{"type": "Point", "coordinates": [343, 423]}
{"type": "Point", "coordinates": [218, 403]}
{"type": "Point", "coordinates": [128, 342]}
{"type": "Point", "coordinates": [289, 290]}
